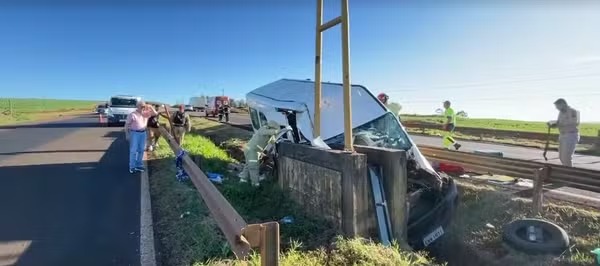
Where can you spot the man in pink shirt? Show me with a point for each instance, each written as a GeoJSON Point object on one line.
{"type": "Point", "coordinates": [135, 132]}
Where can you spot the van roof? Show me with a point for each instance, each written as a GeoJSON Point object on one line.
{"type": "Point", "coordinates": [298, 95]}
{"type": "Point", "coordinates": [125, 96]}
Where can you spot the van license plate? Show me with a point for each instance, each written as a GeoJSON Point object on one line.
{"type": "Point", "coordinates": [431, 237]}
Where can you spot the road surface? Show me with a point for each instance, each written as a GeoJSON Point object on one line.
{"type": "Point", "coordinates": [531, 154]}
{"type": "Point", "coordinates": [66, 196]}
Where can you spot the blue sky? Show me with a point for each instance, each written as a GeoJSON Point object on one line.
{"type": "Point", "coordinates": [504, 60]}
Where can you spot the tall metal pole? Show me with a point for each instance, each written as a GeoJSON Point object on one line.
{"type": "Point", "coordinates": [318, 53]}
{"type": "Point", "coordinates": [348, 141]}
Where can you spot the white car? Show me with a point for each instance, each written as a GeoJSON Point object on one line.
{"type": "Point", "coordinates": [119, 107]}
{"type": "Point", "coordinates": [374, 125]}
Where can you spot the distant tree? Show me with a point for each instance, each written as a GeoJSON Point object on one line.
{"type": "Point", "coordinates": [232, 102]}
{"type": "Point", "coordinates": [462, 113]}
{"type": "Point", "coordinates": [241, 103]}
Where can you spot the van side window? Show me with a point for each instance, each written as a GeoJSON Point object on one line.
{"type": "Point", "coordinates": [263, 119]}
{"type": "Point", "coordinates": [254, 118]}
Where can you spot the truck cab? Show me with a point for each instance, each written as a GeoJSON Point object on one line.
{"type": "Point", "coordinates": [119, 107]}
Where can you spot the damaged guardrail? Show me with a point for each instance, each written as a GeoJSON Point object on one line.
{"type": "Point", "coordinates": [242, 237]}
{"type": "Point", "coordinates": [574, 177]}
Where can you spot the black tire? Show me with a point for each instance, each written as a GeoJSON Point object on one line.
{"type": "Point", "coordinates": [556, 239]}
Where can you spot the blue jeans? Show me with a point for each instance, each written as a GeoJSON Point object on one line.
{"type": "Point", "coordinates": [137, 145]}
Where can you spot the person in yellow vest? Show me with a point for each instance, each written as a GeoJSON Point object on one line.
{"type": "Point", "coordinates": [254, 149]}
{"type": "Point", "coordinates": [568, 127]}
{"type": "Point", "coordinates": [449, 126]}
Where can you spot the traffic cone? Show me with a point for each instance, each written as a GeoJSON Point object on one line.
{"type": "Point", "coordinates": [101, 119]}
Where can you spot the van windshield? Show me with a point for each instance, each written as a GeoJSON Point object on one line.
{"type": "Point", "coordinates": [123, 102]}
{"type": "Point", "coordinates": [384, 131]}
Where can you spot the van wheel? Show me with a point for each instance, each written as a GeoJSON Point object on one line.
{"type": "Point", "coordinates": [555, 239]}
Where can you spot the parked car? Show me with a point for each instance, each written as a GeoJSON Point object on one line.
{"type": "Point", "coordinates": [189, 108]}
{"type": "Point", "coordinates": [119, 106]}
{"type": "Point", "coordinates": [433, 197]}
{"type": "Point", "coordinates": [101, 108]}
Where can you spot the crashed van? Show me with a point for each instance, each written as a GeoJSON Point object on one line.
{"type": "Point", "coordinates": [433, 198]}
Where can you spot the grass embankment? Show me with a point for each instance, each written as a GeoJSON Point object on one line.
{"type": "Point", "coordinates": [187, 235]}
{"type": "Point", "coordinates": [18, 110]}
{"type": "Point", "coordinates": [586, 129]}
{"type": "Point", "coordinates": [485, 204]}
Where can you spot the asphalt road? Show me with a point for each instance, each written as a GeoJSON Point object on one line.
{"type": "Point", "coordinates": [66, 196]}
{"type": "Point", "coordinates": [523, 153]}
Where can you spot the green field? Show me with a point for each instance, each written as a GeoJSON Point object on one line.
{"type": "Point", "coordinates": [17, 110]}
{"type": "Point", "coordinates": [586, 129]}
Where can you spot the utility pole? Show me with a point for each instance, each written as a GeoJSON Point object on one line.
{"type": "Point", "coordinates": [343, 19]}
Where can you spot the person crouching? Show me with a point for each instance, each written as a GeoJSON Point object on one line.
{"type": "Point", "coordinates": [254, 149]}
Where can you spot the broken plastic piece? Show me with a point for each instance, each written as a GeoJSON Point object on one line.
{"type": "Point", "coordinates": [214, 177]}
{"type": "Point", "coordinates": [318, 142]}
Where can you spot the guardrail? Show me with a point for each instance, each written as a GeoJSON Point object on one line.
{"type": "Point", "coordinates": [481, 132]}
{"type": "Point", "coordinates": [574, 177]}
{"type": "Point", "coordinates": [240, 235]}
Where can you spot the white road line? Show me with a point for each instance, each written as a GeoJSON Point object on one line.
{"type": "Point", "coordinates": [147, 255]}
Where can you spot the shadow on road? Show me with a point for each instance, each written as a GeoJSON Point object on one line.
{"type": "Point", "coordinates": [37, 152]}
{"type": "Point", "coordinates": [71, 213]}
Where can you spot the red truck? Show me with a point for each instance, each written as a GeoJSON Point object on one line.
{"type": "Point", "coordinates": [213, 104]}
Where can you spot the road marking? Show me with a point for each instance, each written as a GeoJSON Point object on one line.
{"type": "Point", "coordinates": [147, 256]}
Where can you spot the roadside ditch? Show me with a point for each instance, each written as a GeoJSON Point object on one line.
{"type": "Point", "coordinates": [186, 235]}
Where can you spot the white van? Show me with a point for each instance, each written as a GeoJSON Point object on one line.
{"type": "Point", "coordinates": [119, 106]}
{"type": "Point", "coordinates": [435, 198]}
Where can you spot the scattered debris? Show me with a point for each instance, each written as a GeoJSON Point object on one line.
{"type": "Point", "coordinates": [185, 214]}
{"type": "Point", "coordinates": [597, 253]}
{"type": "Point", "coordinates": [490, 226]}
{"type": "Point", "coordinates": [287, 220]}
{"type": "Point", "coordinates": [214, 177]}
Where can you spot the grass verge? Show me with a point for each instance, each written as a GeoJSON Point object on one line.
{"type": "Point", "coordinates": [17, 110]}
{"type": "Point", "coordinates": [187, 235]}
{"type": "Point", "coordinates": [485, 204]}
{"type": "Point", "coordinates": [586, 129]}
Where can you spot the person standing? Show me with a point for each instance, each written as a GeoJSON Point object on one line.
{"type": "Point", "coordinates": [181, 124]}
{"type": "Point", "coordinates": [568, 128]}
{"type": "Point", "coordinates": [384, 98]}
{"type": "Point", "coordinates": [449, 126]}
{"type": "Point", "coordinates": [135, 133]}
{"type": "Point", "coordinates": [153, 130]}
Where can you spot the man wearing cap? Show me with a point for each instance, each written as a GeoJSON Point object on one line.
{"type": "Point", "coordinates": [254, 149]}
{"type": "Point", "coordinates": [449, 126]}
{"type": "Point", "coordinates": [135, 132]}
{"type": "Point", "coordinates": [568, 127]}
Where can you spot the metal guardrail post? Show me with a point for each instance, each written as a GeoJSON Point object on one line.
{"type": "Point", "coordinates": [538, 189]}
{"type": "Point", "coordinates": [266, 237]}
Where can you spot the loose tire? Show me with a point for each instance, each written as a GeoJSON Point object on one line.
{"type": "Point", "coordinates": [555, 241]}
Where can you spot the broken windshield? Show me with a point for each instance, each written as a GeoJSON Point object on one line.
{"type": "Point", "coordinates": [384, 132]}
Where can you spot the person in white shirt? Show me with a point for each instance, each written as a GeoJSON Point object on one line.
{"type": "Point", "coordinates": [568, 127]}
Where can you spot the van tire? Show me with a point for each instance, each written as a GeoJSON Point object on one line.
{"type": "Point", "coordinates": [513, 235]}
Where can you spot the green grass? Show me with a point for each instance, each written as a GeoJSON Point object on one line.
{"type": "Point", "coordinates": [483, 204]}
{"type": "Point", "coordinates": [586, 129]}
{"type": "Point", "coordinates": [17, 110]}
{"type": "Point", "coordinates": [187, 235]}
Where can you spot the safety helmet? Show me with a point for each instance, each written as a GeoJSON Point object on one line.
{"type": "Point", "coordinates": [383, 97]}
